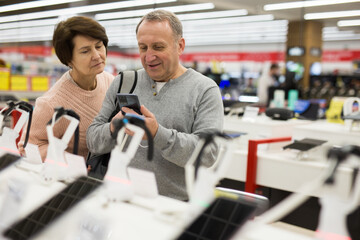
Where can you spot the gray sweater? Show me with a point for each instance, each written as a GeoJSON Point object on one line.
{"type": "Point", "coordinates": [185, 107]}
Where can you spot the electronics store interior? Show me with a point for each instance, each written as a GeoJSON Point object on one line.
{"type": "Point", "coordinates": [180, 119]}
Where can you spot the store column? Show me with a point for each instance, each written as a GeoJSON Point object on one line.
{"type": "Point", "coordinates": [304, 46]}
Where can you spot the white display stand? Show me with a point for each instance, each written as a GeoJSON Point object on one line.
{"type": "Point", "coordinates": [262, 127]}
{"type": "Point", "coordinates": [334, 133]}
{"type": "Point", "coordinates": [281, 169]}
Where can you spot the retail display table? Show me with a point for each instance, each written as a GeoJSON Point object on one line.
{"type": "Point", "coordinates": [260, 128]}
{"type": "Point", "coordinates": [288, 169]}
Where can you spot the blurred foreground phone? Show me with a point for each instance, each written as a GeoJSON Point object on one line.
{"type": "Point", "coordinates": [225, 216]}
{"type": "Point", "coordinates": [8, 159]}
{"type": "Point", "coordinates": [34, 223]}
{"type": "Point", "coordinates": [220, 220]}
{"type": "Point", "coordinates": [130, 101]}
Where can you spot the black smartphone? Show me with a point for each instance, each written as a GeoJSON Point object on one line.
{"type": "Point", "coordinates": [221, 220]}
{"type": "Point", "coordinates": [130, 101]}
{"type": "Point", "coordinates": [34, 223]}
{"type": "Point", "coordinates": [8, 159]}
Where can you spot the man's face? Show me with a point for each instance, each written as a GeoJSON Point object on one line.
{"type": "Point", "coordinates": [159, 51]}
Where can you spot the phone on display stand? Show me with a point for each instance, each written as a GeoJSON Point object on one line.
{"type": "Point", "coordinates": [130, 101]}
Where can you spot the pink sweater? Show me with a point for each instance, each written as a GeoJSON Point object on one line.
{"type": "Point", "coordinates": [67, 94]}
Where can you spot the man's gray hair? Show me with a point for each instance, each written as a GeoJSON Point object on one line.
{"type": "Point", "coordinates": [163, 15]}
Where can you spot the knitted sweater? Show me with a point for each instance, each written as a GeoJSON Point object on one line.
{"type": "Point", "coordinates": [185, 107]}
{"type": "Point", "coordinates": [67, 94]}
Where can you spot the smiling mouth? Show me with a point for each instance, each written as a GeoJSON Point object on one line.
{"type": "Point", "coordinates": [153, 65]}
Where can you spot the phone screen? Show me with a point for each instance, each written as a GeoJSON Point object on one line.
{"type": "Point", "coordinates": [36, 221]}
{"type": "Point", "coordinates": [220, 220]}
{"type": "Point", "coordinates": [130, 101]}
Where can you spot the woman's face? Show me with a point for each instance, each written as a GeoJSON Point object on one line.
{"type": "Point", "coordinates": [89, 56]}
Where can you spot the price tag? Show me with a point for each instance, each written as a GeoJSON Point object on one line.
{"type": "Point", "coordinates": [250, 113]}
{"type": "Point", "coordinates": [93, 228]}
{"type": "Point", "coordinates": [14, 197]}
{"type": "Point", "coordinates": [143, 182]}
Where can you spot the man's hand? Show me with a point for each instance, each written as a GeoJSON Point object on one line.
{"type": "Point", "coordinates": [119, 115]}
{"type": "Point", "coordinates": [150, 120]}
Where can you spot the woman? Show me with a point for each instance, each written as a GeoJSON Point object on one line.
{"type": "Point", "coordinates": [81, 44]}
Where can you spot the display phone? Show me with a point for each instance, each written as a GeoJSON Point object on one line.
{"type": "Point", "coordinates": [40, 218]}
{"type": "Point", "coordinates": [130, 101]}
{"type": "Point", "coordinates": [221, 220]}
{"type": "Point", "coordinates": [8, 159]}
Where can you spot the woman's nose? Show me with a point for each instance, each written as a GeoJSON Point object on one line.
{"type": "Point", "coordinates": [96, 54]}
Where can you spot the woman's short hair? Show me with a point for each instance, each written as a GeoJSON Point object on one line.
{"type": "Point", "coordinates": [163, 15]}
{"type": "Point", "coordinates": [66, 30]}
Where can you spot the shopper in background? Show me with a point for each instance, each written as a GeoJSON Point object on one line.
{"type": "Point", "coordinates": [81, 44]}
{"type": "Point", "coordinates": [179, 104]}
{"type": "Point", "coordinates": [2, 63]}
{"type": "Point", "coordinates": [269, 78]}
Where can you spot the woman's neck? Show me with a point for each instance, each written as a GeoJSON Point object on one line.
{"type": "Point", "coordinates": [85, 82]}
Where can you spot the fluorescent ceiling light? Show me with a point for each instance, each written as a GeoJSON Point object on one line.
{"type": "Point", "coordinates": [208, 22]}
{"type": "Point", "coordinates": [342, 38]}
{"type": "Point", "coordinates": [24, 24]}
{"type": "Point", "coordinates": [303, 4]}
{"type": "Point", "coordinates": [347, 23]}
{"type": "Point", "coordinates": [338, 14]}
{"type": "Point", "coordinates": [34, 4]}
{"type": "Point", "coordinates": [136, 13]}
{"type": "Point", "coordinates": [82, 9]}
{"type": "Point", "coordinates": [215, 14]}
{"type": "Point", "coordinates": [330, 29]}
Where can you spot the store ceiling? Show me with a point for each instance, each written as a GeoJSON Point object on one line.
{"type": "Point", "coordinates": [257, 7]}
{"type": "Point", "coordinates": [254, 7]}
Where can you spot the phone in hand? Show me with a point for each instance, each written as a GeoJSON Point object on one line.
{"type": "Point", "coordinates": [130, 101]}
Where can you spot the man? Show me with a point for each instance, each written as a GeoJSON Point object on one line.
{"type": "Point", "coordinates": [268, 79]}
{"type": "Point", "coordinates": [179, 104]}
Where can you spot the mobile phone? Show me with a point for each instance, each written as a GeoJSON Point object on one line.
{"type": "Point", "coordinates": [8, 159]}
{"type": "Point", "coordinates": [130, 101]}
{"type": "Point", "coordinates": [220, 220]}
{"type": "Point", "coordinates": [35, 222]}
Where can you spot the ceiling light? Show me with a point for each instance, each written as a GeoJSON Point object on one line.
{"type": "Point", "coordinates": [347, 23]}
{"type": "Point", "coordinates": [23, 24]}
{"type": "Point", "coordinates": [232, 21]}
{"type": "Point", "coordinates": [82, 9]}
{"type": "Point", "coordinates": [34, 4]}
{"type": "Point", "coordinates": [338, 14]}
{"type": "Point", "coordinates": [215, 14]}
{"type": "Point", "coordinates": [303, 4]}
{"type": "Point", "coordinates": [137, 13]}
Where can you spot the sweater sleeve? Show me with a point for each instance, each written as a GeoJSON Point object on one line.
{"type": "Point", "coordinates": [98, 135]}
{"type": "Point", "coordinates": [177, 147]}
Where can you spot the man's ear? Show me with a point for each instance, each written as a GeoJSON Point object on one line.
{"type": "Point", "coordinates": [181, 46]}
